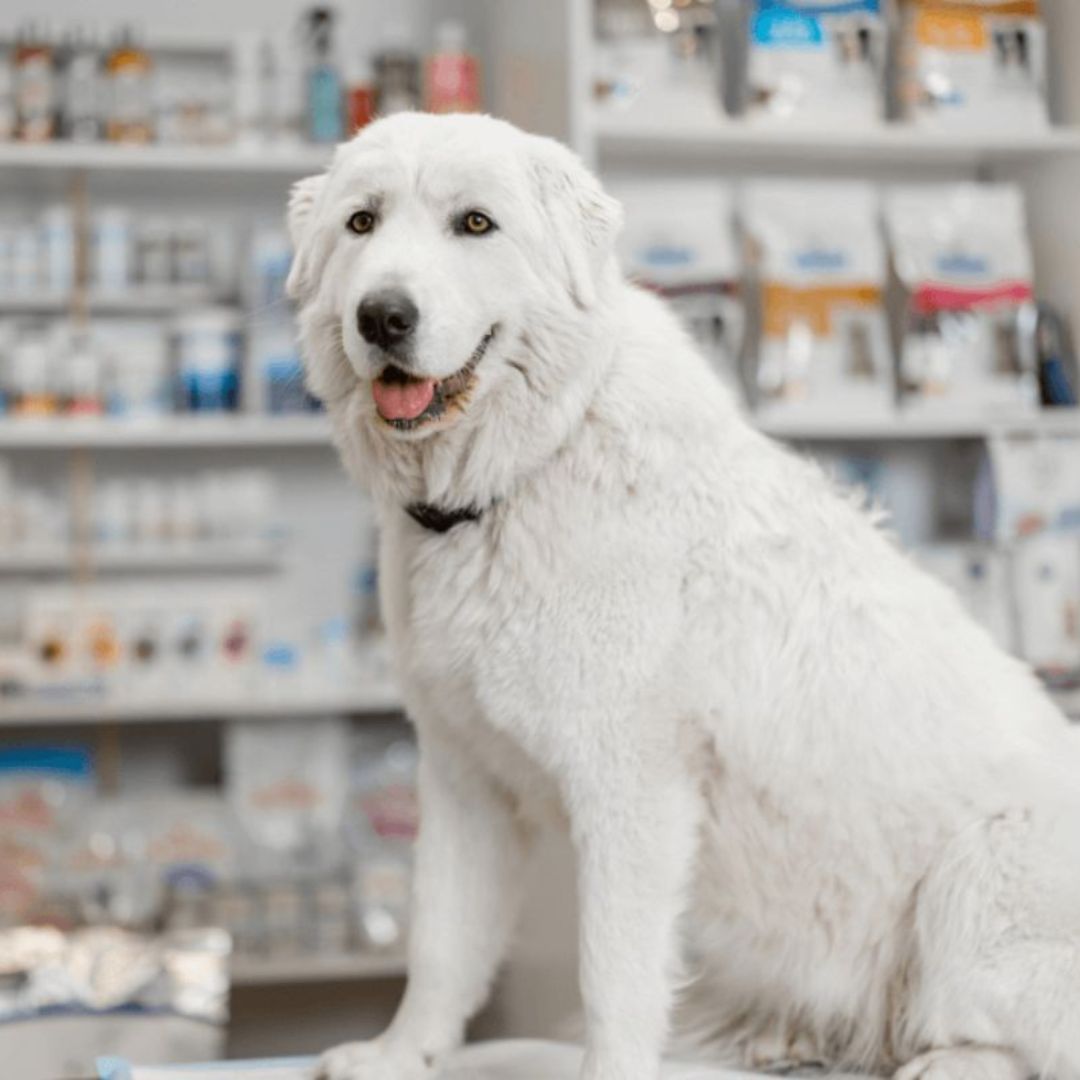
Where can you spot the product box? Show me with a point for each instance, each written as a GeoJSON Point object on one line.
{"type": "Point", "coordinates": [817, 61]}
{"type": "Point", "coordinates": [818, 259]}
{"type": "Point", "coordinates": [139, 642]}
{"type": "Point", "coordinates": [975, 65]}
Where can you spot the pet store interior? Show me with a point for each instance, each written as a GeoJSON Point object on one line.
{"type": "Point", "coordinates": [866, 213]}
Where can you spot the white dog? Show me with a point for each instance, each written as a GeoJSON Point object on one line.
{"type": "Point", "coordinates": [611, 599]}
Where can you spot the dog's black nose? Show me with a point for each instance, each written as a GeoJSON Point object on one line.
{"type": "Point", "coordinates": [387, 318]}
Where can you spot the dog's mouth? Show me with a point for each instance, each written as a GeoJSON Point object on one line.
{"type": "Point", "coordinates": [407, 402]}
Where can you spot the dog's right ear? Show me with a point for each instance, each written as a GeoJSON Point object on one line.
{"type": "Point", "coordinates": [303, 202]}
{"type": "Point", "coordinates": [582, 217]}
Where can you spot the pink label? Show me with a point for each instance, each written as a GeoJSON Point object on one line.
{"type": "Point", "coordinates": [453, 83]}
{"type": "Point", "coordinates": [932, 297]}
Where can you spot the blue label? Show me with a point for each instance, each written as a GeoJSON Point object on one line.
{"type": "Point", "coordinates": [776, 28]}
{"type": "Point", "coordinates": [666, 255]}
{"type": "Point", "coordinates": [820, 259]}
{"type": "Point", "coordinates": [210, 391]}
{"type": "Point", "coordinates": [67, 761]}
{"type": "Point", "coordinates": [963, 265]}
{"type": "Point", "coordinates": [823, 7]}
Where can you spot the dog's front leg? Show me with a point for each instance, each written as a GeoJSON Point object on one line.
{"type": "Point", "coordinates": [635, 833]}
{"type": "Point", "coordinates": [465, 898]}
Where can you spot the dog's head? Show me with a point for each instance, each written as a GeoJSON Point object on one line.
{"type": "Point", "coordinates": [425, 254]}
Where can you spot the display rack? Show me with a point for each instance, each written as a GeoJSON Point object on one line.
{"type": "Point", "coordinates": [552, 44]}
{"type": "Point", "coordinates": [144, 558]}
{"type": "Point", "coordinates": [268, 703]}
{"type": "Point", "coordinates": [618, 140]}
{"type": "Point", "coordinates": [251, 971]}
{"type": "Point", "coordinates": [234, 431]}
{"type": "Point", "coordinates": [279, 162]}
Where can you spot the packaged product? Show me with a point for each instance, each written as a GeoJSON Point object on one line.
{"type": "Point", "coordinates": [380, 828]}
{"type": "Point", "coordinates": [973, 64]}
{"type": "Point", "coordinates": [679, 239]}
{"type": "Point", "coordinates": [288, 786]}
{"type": "Point", "coordinates": [44, 792]}
{"type": "Point", "coordinates": [822, 61]}
{"type": "Point", "coordinates": [818, 256]}
{"type": "Point", "coordinates": [1046, 585]}
{"type": "Point", "coordinates": [961, 254]}
{"type": "Point", "coordinates": [1036, 485]}
{"type": "Point", "coordinates": [653, 66]}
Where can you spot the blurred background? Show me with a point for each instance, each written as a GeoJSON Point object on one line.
{"type": "Point", "coordinates": [865, 212]}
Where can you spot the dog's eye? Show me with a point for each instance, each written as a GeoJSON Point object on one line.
{"type": "Point", "coordinates": [363, 221]}
{"type": "Point", "coordinates": [474, 223]}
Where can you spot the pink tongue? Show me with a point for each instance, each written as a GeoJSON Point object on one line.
{"type": "Point", "coordinates": [402, 401]}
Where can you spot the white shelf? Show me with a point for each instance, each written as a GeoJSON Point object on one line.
{"type": "Point", "coordinates": [238, 430]}
{"type": "Point", "coordinates": [914, 427]}
{"type": "Point", "coordinates": [61, 558]}
{"type": "Point", "coordinates": [283, 161]}
{"type": "Point", "coordinates": [137, 300]}
{"type": "Point", "coordinates": [294, 970]}
{"type": "Point", "coordinates": [622, 138]}
{"type": "Point", "coordinates": [372, 699]}
{"type": "Point", "coordinates": [235, 430]}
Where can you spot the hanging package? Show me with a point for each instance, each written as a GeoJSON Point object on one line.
{"type": "Point", "coordinates": [679, 240]}
{"type": "Point", "coordinates": [817, 61]}
{"type": "Point", "coordinates": [962, 255]}
{"type": "Point", "coordinates": [821, 268]}
{"type": "Point", "coordinates": [973, 64]}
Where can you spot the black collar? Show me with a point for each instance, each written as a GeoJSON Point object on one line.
{"type": "Point", "coordinates": [438, 520]}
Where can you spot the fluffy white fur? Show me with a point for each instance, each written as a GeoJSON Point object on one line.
{"type": "Point", "coordinates": [801, 782]}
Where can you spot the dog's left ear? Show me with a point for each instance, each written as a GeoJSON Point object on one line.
{"type": "Point", "coordinates": [303, 199]}
{"type": "Point", "coordinates": [584, 218]}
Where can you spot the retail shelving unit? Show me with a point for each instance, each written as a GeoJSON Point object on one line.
{"type": "Point", "coordinates": [166, 433]}
{"type": "Point", "coordinates": [314, 566]}
{"type": "Point", "coordinates": [538, 60]}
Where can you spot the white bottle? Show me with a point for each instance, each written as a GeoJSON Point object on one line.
{"type": "Point", "coordinates": [58, 248]}
{"type": "Point", "coordinates": [112, 249]}
{"type": "Point", "coordinates": [247, 100]}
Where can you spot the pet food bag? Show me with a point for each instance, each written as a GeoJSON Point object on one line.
{"type": "Point", "coordinates": [961, 253]}
{"type": "Point", "coordinates": [979, 64]}
{"type": "Point", "coordinates": [818, 61]}
{"type": "Point", "coordinates": [679, 240]}
{"type": "Point", "coordinates": [651, 66]}
{"type": "Point", "coordinates": [820, 265]}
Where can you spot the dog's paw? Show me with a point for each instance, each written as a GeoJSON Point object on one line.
{"type": "Point", "coordinates": [964, 1063]}
{"type": "Point", "coordinates": [370, 1061]}
{"type": "Point", "coordinates": [781, 1051]}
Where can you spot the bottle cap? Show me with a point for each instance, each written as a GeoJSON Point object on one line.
{"type": "Point", "coordinates": [451, 36]}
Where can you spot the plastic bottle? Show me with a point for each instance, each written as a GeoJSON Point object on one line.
{"type": "Point", "coordinates": [33, 63]}
{"type": "Point", "coordinates": [397, 73]}
{"type": "Point", "coordinates": [452, 83]}
{"type": "Point", "coordinates": [246, 75]}
{"type": "Point", "coordinates": [80, 104]}
{"type": "Point", "coordinates": [325, 120]}
{"type": "Point", "coordinates": [361, 96]}
{"type": "Point", "coordinates": [8, 120]}
{"type": "Point", "coordinates": [128, 72]}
